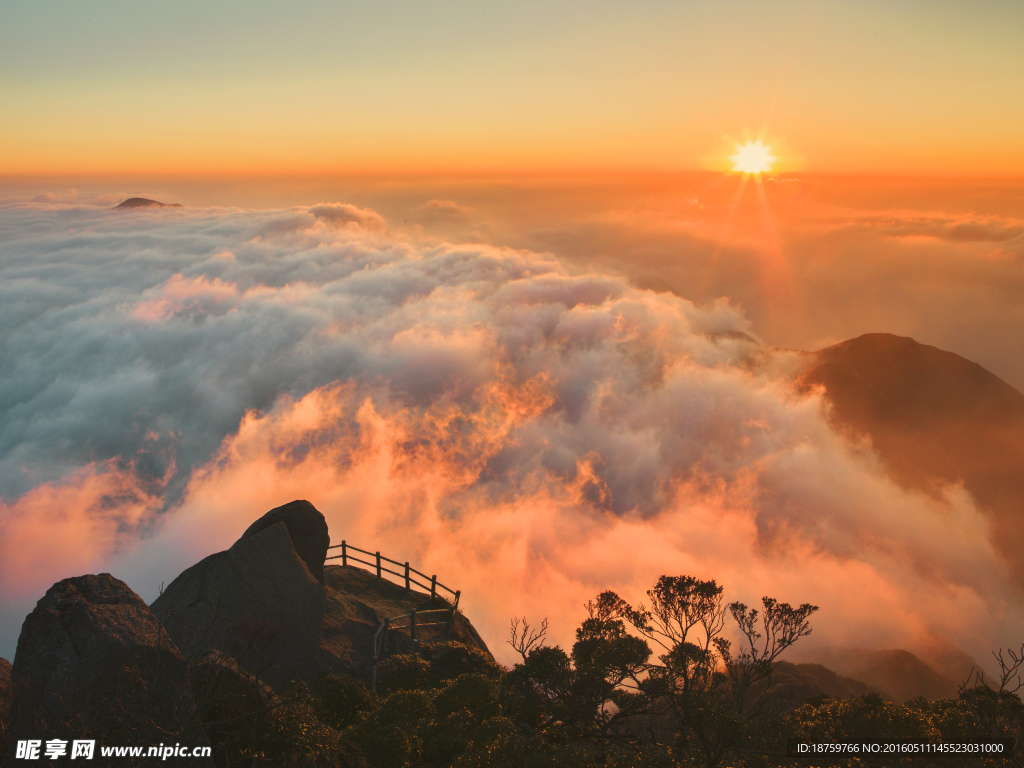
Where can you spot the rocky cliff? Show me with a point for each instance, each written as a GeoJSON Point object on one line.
{"type": "Point", "coordinates": [236, 630]}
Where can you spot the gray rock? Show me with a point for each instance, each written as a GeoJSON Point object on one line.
{"type": "Point", "coordinates": [93, 661]}
{"type": "Point", "coordinates": [306, 526]}
{"type": "Point", "coordinates": [257, 602]}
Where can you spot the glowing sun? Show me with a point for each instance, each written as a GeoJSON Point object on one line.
{"type": "Point", "coordinates": [753, 157]}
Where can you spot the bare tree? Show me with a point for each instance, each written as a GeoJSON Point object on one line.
{"type": "Point", "coordinates": [783, 625]}
{"type": "Point", "coordinates": [998, 710]}
{"type": "Point", "coordinates": [523, 639]}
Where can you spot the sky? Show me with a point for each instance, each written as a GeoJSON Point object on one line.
{"type": "Point", "coordinates": [260, 87]}
{"type": "Point", "coordinates": [478, 280]}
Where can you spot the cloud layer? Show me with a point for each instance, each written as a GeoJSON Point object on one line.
{"type": "Point", "coordinates": [812, 261]}
{"type": "Point", "coordinates": [531, 433]}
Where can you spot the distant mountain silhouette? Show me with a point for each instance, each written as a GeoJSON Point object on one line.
{"type": "Point", "coordinates": [793, 684]}
{"type": "Point", "coordinates": [143, 202]}
{"type": "Point", "coordinates": [897, 675]}
{"type": "Point", "coordinates": [934, 418]}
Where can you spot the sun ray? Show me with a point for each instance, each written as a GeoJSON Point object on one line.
{"type": "Point", "coordinates": [776, 276]}
{"type": "Point", "coordinates": [726, 228]}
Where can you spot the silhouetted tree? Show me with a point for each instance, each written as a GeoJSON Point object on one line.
{"type": "Point", "coordinates": [592, 695]}
{"type": "Point", "coordinates": [699, 680]}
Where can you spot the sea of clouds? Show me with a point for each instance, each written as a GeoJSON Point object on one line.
{"type": "Point", "coordinates": [531, 432]}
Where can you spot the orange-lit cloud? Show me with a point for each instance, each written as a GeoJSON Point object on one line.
{"type": "Point", "coordinates": [797, 513]}
{"type": "Point", "coordinates": [76, 523]}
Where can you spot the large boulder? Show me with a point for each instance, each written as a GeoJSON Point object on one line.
{"type": "Point", "coordinates": [307, 528]}
{"type": "Point", "coordinates": [94, 662]}
{"type": "Point", "coordinates": [257, 602]}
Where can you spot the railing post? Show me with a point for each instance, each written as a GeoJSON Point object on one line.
{"type": "Point", "coordinates": [455, 607]}
{"type": "Point", "coordinates": [407, 575]}
{"type": "Point", "coordinates": [380, 640]}
{"type": "Point", "coordinates": [378, 565]}
{"type": "Point", "coordinates": [433, 587]}
{"type": "Point", "coordinates": [412, 623]}
{"type": "Point", "coordinates": [344, 558]}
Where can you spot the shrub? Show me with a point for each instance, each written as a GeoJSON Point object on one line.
{"type": "Point", "coordinates": [342, 701]}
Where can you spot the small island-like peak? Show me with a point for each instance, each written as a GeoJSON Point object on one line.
{"type": "Point", "coordinates": [143, 202]}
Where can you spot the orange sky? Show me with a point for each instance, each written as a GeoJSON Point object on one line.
{"type": "Point", "coordinates": [201, 89]}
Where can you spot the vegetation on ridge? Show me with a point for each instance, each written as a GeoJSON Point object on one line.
{"type": "Point", "coordinates": [655, 685]}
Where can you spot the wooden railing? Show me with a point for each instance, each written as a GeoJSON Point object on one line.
{"type": "Point", "coordinates": [377, 563]}
{"type": "Point", "coordinates": [414, 617]}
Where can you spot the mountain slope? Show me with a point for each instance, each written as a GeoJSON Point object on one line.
{"type": "Point", "coordinates": [896, 674]}
{"type": "Point", "coordinates": [934, 418]}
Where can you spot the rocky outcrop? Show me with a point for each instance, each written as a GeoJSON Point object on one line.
{"type": "Point", "coordinates": [308, 531]}
{"type": "Point", "coordinates": [357, 602]}
{"type": "Point", "coordinates": [257, 602]}
{"type": "Point", "coordinates": [262, 604]}
{"type": "Point", "coordinates": [93, 661]}
{"type": "Point", "coordinates": [220, 646]}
